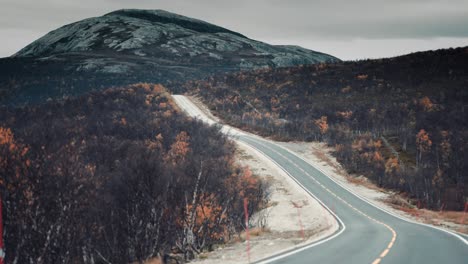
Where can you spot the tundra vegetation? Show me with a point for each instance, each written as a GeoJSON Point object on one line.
{"type": "Point", "coordinates": [401, 122]}
{"type": "Point", "coordinates": [117, 176]}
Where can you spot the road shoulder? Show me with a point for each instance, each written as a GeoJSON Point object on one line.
{"type": "Point", "coordinates": [320, 155]}
{"type": "Point", "coordinates": [286, 224]}
{"type": "Point", "coordinates": [293, 218]}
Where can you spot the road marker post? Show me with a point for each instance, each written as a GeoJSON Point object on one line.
{"type": "Point", "coordinates": [298, 207]}
{"type": "Point", "coordinates": [247, 234]}
{"type": "Point", "coordinates": [2, 251]}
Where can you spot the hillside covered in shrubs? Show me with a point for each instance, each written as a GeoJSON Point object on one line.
{"type": "Point", "coordinates": [402, 121]}
{"type": "Point", "coordinates": [117, 176]}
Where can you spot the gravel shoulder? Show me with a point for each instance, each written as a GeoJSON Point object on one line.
{"type": "Point", "coordinates": [292, 219]}
{"type": "Point", "coordinates": [282, 229]}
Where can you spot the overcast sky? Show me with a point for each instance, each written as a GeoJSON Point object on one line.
{"type": "Point", "coordinates": [348, 29]}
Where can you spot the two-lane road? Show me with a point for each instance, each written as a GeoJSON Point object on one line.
{"type": "Point", "coordinates": [367, 234]}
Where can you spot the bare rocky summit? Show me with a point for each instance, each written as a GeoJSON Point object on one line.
{"type": "Point", "coordinates": [132, 45]}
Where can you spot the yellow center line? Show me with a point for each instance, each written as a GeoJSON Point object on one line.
{"type": "Point", "coordinates": [389, 246]}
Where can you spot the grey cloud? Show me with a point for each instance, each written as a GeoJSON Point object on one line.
{"type": "Point", "coordinates": [331, 18]}
{"type": "Point", "coordinates": [366, 19]}
{"type": "Point", "coordinates": [265, 19]}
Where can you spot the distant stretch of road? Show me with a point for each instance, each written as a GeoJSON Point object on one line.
{"type": "Point", "coordinates": [367, 234]}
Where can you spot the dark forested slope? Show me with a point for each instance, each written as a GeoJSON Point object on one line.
{"type": "Point", "coordinates": [117, 176]}
{"type": "Point", "coordinates": [400, 121]}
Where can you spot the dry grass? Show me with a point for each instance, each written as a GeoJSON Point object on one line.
{"type": "Point", "coordinates": [253, 232]}
{"type": "Point", "coordinates": [454, 220]}
{"type": "Point", "coordinates": [282, 190]}
{"type": "Point", "coordinates": [398, 200]}
{"type": "Point", "coordinates": [271, 204]}
{"type": "Point", "coordinates": [258, 231]}
{"type": "Point", "coordinates": [363, 181]}
{"type": "Point", "coordinates": [324, 157]}
{"type": "Point", "coordinates": [243, 155]}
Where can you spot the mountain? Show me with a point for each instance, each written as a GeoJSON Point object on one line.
{"type": "Point", "coordinates": [128, 46]}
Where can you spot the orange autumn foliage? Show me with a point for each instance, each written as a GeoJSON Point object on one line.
{"type": "Point", "coordinates": [322, 124]}
{"type": "Point", "coordinates": [162, 105]}
{"type": "Point", "coordinates": [378, 144]}
{"type": "Point", "coordinates": [242, 184]}
{"type": "Point", "coordinates": [179, 148]}
{"type": "Point", "coordinates": [344, 114]}
{"type": "Point", "coordinates": [377, 156]}
{"type": "Point", "coordinates": [392, 166]}
{"type": "Point", "coordinates": [209, 213]}
{"type": "Point", "coordinates": [6, 138]}
{"type": "Point", "coordinates": [249, 181]}
{"type": "Point", "coordinates": [12, 155]}
{"type": "Point", "coordinates": [426, 103]}
{"type": "Point", "coordinates": [423, 141]}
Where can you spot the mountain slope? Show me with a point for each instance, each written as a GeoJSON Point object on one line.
{"type": "Point", "coordinates": [137, 45]}
{"type": "Point", "coordinates": [402, 121]}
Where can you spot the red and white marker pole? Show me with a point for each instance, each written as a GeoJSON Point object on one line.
{"type": "Point", "coordinates": [247, 234]}
{"type": "Point", "coordinates": [298, 207]}
{"type": "Point", "coordinates": [2, 251]}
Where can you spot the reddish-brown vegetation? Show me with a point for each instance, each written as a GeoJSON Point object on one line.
{"type": "Point", "coordinates": [402, 122]}
{"type": "Point", "coordinates": [117, 176]}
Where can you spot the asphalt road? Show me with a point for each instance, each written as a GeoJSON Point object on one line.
{"type": "Point", "coordinates": [367, 234]}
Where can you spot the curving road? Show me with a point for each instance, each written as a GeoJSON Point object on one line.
{"type": "Point", "coordinates": [367, 234]}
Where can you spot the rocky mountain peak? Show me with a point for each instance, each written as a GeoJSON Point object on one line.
{"type": "Point", "coordinates": [130, 45]}
{"type": "Point", "coordinates": [165, 17]}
